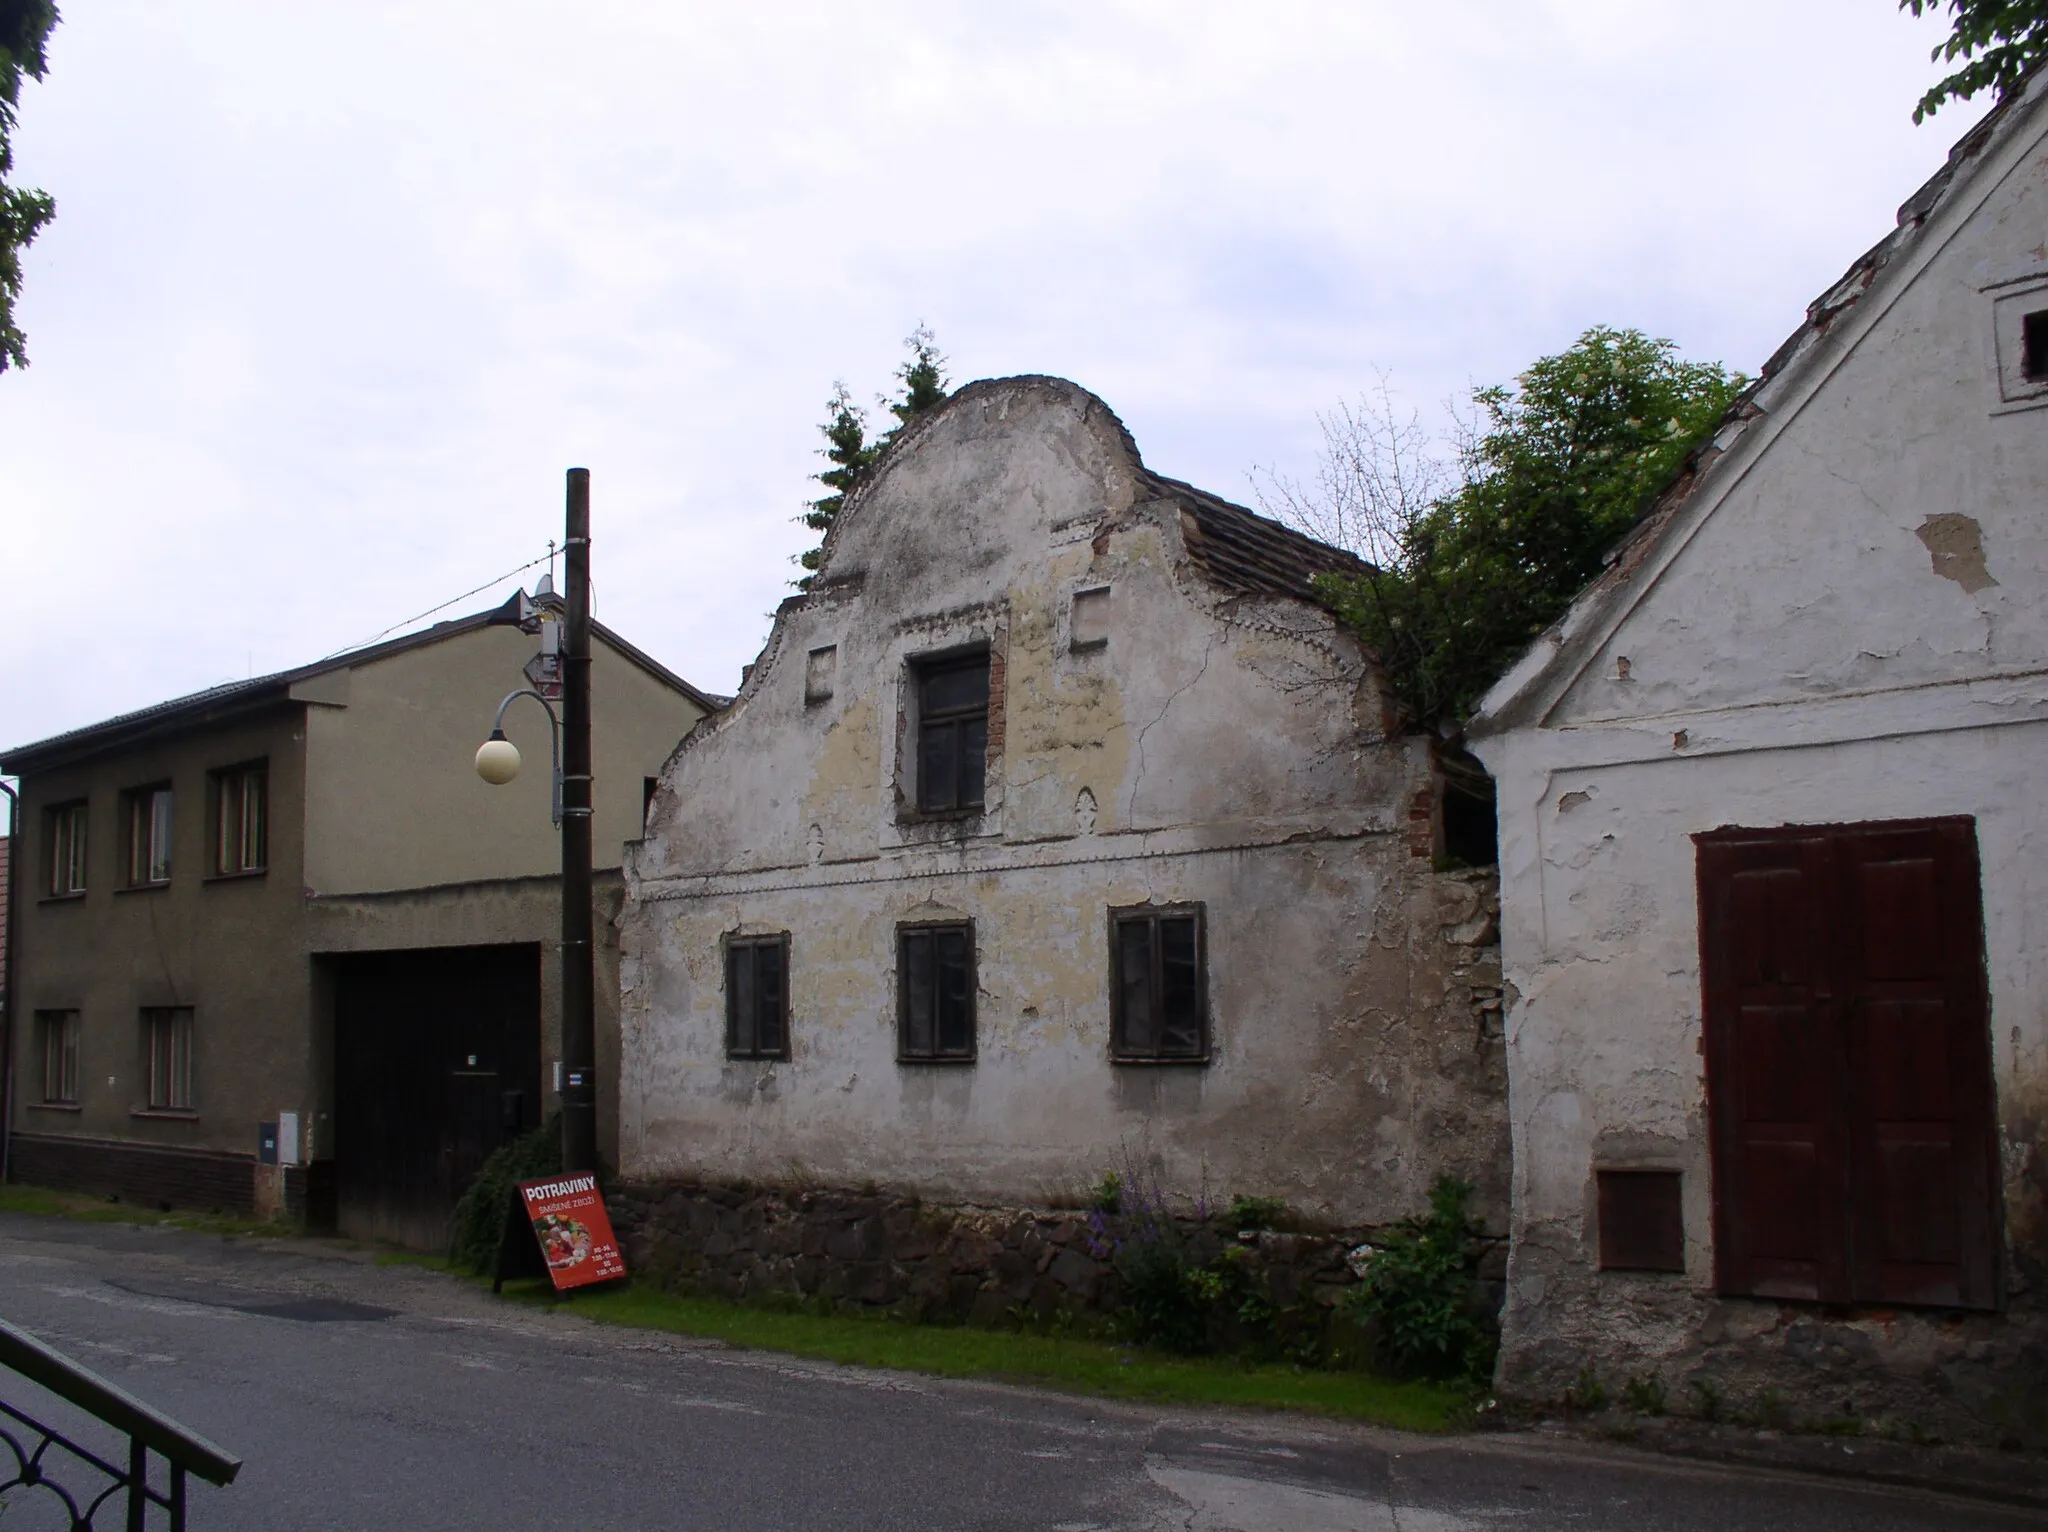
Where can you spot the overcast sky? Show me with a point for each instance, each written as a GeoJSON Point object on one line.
{"type": "Point", "coordinates": [336, 292]}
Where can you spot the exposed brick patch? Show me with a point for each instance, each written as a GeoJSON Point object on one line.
{"type": "Point", "coordinates": [998, 668]}
{"type": "Point", "coordinates": [1422, 823]}
{"type": "Point", "coordinates": [149, 1175]}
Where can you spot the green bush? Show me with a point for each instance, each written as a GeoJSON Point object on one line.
{"type": "Point", "coordinates": [478, 1226]}
{"type": "Point", "coordinates": [1255, 1212]}
{"type": "Point", "coordinates": [1420, 1288]}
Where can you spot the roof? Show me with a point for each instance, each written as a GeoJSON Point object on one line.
{"type": "Point", "coordinates": [1249, 553]}
{"type": "Point", "coordinates": [1707, 464]}
{"type": "Point", "coordinates": [236, 698]}
{"type": "Point", "coordinates": [1235, 548]}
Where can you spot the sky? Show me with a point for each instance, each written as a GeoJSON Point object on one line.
{"type": "Point", "coordinates": [336, 292]}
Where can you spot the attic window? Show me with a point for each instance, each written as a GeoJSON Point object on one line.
{"type": "Point", "coordinates": [952, 734]}
{"type": "Point", "coordinates": [821, 671]}
{"type": "Point", "coordinates": [2034, 346]}
{"type": "Point", "coordinates": [1089, 628]}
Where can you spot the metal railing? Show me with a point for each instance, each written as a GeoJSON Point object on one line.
{"type": "Point", "coordinates": [39, 1449]}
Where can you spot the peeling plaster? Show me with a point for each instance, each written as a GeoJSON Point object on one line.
{"type": "Point", "coordinates": [1955, 545]}
{"type": "Point", "coordinates": [1203, 745]}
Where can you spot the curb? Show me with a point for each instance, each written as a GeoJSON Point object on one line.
{"type": "Point", "coordinates": [2005, 1478]}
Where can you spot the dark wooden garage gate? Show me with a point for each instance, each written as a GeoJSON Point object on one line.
{"type": "Point", "coordinates": [1849, 1063]}
{"type": "Point", "coordinates": [437, 1062]}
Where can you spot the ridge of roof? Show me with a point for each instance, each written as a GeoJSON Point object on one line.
{"type": "Point", "coordinates": [1705, 462]}
{"type": "Point", "coordinates": [232, 697]}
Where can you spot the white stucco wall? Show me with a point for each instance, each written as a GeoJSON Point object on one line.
{"type": "Point", "coordinates": [1813, 639]}
{"type": "Point", "coordinates": [1218, 748]}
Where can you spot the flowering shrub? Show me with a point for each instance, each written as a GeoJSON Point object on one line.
{"type": "Point", "coordinates": [1419, 1286]}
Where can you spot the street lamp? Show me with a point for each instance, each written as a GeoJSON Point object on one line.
{"type": "Point", "coordinates": [497, 762]}
{"type": "Point", "coordinates": [497, 758]}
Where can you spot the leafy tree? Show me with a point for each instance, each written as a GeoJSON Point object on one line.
{"type": "Point", "coordinates": [1999, 40]}
{"type": "Point", "coordinates": [847, 447]}
{"type": "Point", "coordinates": [25, 27]}
{"type": "Point", "coordinates": [1551, 474]}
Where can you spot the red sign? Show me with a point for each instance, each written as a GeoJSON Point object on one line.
{"type": "Point", "coordinates": [574, 1231]}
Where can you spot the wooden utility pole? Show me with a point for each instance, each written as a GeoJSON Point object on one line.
{"type": "Point", "coordinates": [579, 1023]}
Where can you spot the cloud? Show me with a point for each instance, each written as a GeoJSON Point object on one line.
{"type": "Point", "coordinates": [335, 293]}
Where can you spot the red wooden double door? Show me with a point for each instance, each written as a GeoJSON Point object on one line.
{"type": "Point", "coordinates": [1849, 1063]}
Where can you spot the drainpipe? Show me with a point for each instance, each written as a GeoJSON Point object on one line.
{"type": "Point", "coordinates": [13, 944]}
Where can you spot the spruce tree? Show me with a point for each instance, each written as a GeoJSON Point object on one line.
{"type": "Point", "coordinates": [847, 447]}
{"type": "Point", "coordinates": [850, 453]}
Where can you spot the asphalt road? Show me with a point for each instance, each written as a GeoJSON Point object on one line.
{"type": "Point", "coordinates": [365, 1396]}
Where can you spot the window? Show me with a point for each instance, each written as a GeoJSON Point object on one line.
{"type": "Point", "coordinates": [2034, 347]}
{"type": "Point", "coordinates": [57, 1036]}
{"type": "Point", "coordinates": [757, 996]}
{"type": "Point", "coordinates": [935, 992]}
{"type": "Point", "coordinates": [1849, 1064]}
{"type": "Point", "coordinates": [1642, 1220]}
{"type": "Point", "coordinates": [241, 813]}
{"type": "Point", "coordinates": [149, 835]}
{"type": "Point", "coordinates": [66, 839]}
{"type": "Point", "coordinates": [952, 734]}
{"type": "Point", "coordinates": [169, 1033]}
{"type": "Point", "coordinates": [1158, 985]}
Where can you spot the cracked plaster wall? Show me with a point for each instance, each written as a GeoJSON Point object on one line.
{"type": "Point", "coordinates": [1856, 630]}
{"type": "Point", "coordinates": [1219, 747]}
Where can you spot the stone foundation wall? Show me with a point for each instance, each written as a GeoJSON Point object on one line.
{"type": "Point", "coordinates": [1932, 1375]}
{"type": "Point", "coordinates": [975, 1265]}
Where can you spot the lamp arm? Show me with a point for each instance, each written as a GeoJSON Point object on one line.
{"type": "Point", "coordinates": [554, 739]}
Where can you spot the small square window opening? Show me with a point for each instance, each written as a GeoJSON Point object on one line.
{"type": "Point", "coordinates": [57, 1039]}
{"type": "Point", "coordinates": [149, 835]}
{"type": "Point", "coordinates": [1158, 985]}
{"type": "Point", "coordinates": [241, 809]}
{"type": "Point", "coordinates": [1642, 1221]}
{"type": "Point", "coordinates": [821, 670]}
{"type": "Point", "coordinates": [66, 840]}
{"type": "Point", "coordinates": [952, 734]}
{"type": "Point", "coordinates": [757, 996]}
{"type": "Point", "coordinates": [2034, 346]}
{"type": "Point", "coordinates": [935, 992]}
{"type": "Point", "coordinates": [168, 1035]}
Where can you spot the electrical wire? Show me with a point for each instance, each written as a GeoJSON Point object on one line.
{"type": "Point", "coordinates": [430, 611]}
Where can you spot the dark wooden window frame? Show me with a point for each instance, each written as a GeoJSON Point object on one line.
{"type": "Point", "coordinates": [169, 1066]}
{"type": "Point", "coordinates": [67, 837]}
{"type": "Point", "coordinates": [1847, 1266]}
{"type": "Point", "coordinates": [957, 724]}
{"type": "Point", "coordinates": [56, 1037]}
{"type": "Point", "coordinates": [138, 806]}
{"type": "Point", "coordinates": [1120, 1050]}
{"type": "Point", "coordinates": [938, 1053]}
{"type": "Point", "coordinates": [743, 1033]}
{"type": "Point", "coordinates": [229, 834]}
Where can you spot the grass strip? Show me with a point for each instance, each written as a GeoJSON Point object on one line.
{"type": "Point", "coordinates": [1072, 1364]}
{"type": "Point", "coordinates": [1069, 1363]}
{"type": "Point", "coordinates": [41, 1202]}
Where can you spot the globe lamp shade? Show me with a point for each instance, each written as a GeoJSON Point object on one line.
{"type": "Point", "coordinates": [497, 760]}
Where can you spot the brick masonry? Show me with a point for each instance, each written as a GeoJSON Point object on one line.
{"type": "Point", "coordinates": [146, 1174]}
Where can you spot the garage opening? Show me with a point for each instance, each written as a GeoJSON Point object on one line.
{"type": "Point", "coordinates": [437, 1062]}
